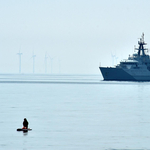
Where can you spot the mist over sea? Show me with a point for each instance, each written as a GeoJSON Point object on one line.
{"type": "Point", "coordinates": [73, 112]}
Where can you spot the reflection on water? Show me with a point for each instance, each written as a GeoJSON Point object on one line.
{"type": "Point", "coordinates": [25, 133]}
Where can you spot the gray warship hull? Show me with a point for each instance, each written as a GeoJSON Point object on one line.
{"type": "Point", "coordinates": [135, 68]}
{"type": "Point", "coordinates": [120, 74]}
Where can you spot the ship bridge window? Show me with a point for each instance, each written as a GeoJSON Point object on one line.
{"type": "Point", "coordinates": [128, 63]}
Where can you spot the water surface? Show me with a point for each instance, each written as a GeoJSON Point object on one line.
{"type": "Point", "coordinates": [73, 112]}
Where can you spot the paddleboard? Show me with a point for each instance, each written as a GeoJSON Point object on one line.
{"type": "Point", "coordinates": [20, 129]}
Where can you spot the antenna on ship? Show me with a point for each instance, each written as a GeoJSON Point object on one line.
{"type": "Point", "coordinates": [33, 56]}
{"type": "Point", "coordinates": [143, 36]}
{"type": "Point", "coordinates": [141, 46]}
{"type": "Point", "coordinates": [19, 54]}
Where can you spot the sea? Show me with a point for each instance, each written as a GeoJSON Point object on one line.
{"type": "Point", "coordinates": [73, 112]}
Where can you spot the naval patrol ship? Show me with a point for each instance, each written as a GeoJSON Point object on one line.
{"type": "Point", "coordinates": [135, 68]}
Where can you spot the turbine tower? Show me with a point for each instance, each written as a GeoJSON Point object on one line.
{"type": "Point", "coordinates": [113, 57]}
{"type": "Point", "coordinates": [19, 54]}
{"type": "Point", "coordinates": [33, 56]}
{"type": "Point", "coordinates": [116, 59]}
{"type": "Point", "coordinates": [51, 59]}
{"type": "Point", "coordinates": [46, 62]}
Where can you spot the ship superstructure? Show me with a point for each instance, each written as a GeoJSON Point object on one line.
{"type": "Point", "coordinates": [135, 68]}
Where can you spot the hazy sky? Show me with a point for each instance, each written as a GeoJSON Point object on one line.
{"type": "Point", "coordinates": [77, 34]}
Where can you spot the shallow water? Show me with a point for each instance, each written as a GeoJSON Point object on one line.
{"type": "Point", "coordinates": [74, 112]}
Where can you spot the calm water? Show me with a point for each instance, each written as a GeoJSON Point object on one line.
{"type": "Point", "coordinates": [73, 113]}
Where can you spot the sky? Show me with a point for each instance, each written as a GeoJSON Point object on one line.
{"type": "Point", "coordinates": [75, 35]}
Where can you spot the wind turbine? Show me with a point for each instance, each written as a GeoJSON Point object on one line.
{"type": "Point", "coordinates": [46, 62]}
{"type": "Point", "coordinates": [116, 59]}
{"type": "Point", "coordinates": [19, 54]}
{"type": "Point", "coordinates": [113, 56]}
{"type": "Point", "coordinates": [33, 56]}
{"type": "Point", "coordinates": [51, 59]}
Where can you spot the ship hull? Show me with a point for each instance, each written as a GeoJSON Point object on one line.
{"type": "Point", "coordinates": [119, 74]}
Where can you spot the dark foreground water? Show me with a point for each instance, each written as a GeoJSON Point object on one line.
{"type": "Point", "coordinates": [73, 113]}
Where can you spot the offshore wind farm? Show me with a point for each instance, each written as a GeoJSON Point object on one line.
{"type": "Point", "coordinates": [79, 35]}
{"type": "Point", "coordinates": [48, 63]}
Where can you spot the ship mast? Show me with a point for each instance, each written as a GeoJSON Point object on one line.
{"type": "Point", "coordinates": [141, 46]}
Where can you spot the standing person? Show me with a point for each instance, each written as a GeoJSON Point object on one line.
{"type": "Point", "coordinates": [25, 124]}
